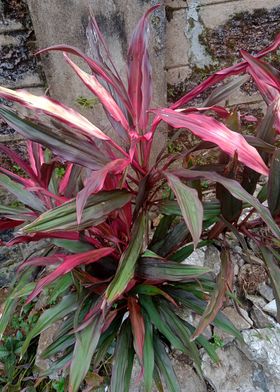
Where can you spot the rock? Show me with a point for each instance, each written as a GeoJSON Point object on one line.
{"type": "Point", "coordinates": [188, 379]}
{"type": "Point", "coordinates": [236, 269]}
{"type": "Point", "coordinates": [46, 338]}
{"type": "Point", "coordinates": [262, 347]}
{"type": "Point", "coordinates": [266, 291]}
{"type": "Point", "coordinates": [237, 257]}
{"type": "Point", "coordinates": [206, 257]}
{"type": "Point", "coordinates": [256, 300]}
{"type": "Point", "coordinates": [233, 374]}
{"type": "Point", "coordinates": [194, 319]}
{"type": "Point", "coordinates": [240, 322]}
{"type": "Point", "coordinates": [196, 258]}
{"type": "Point", "coordinates": [271, 308]}
{"type": "Point", "coordinates": [212, 259]}
{"type": "Point", "coordinates": [10, 259]}
{"type": "Point", "coordinates": [261, 319]}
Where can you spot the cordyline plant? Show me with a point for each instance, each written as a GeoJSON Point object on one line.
{"type": "Point", "coordinates": [116, 279]}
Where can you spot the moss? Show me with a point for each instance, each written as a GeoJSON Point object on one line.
{"type": "Point", "coordinates": [175, 92]}
{"type": "Point", "coordinates": [250, 31]}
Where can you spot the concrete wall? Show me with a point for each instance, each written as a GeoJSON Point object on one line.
{"type": "Point", "coordinates": [190, 39]}
{"type": "Point", "coordinates": [204, 35]}
{"type": "Point", "coordinates": [65, 21]}
{"type": "Point", "coordinates": [18, 67]}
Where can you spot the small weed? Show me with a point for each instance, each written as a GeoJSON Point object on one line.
{"type": "Point", "coordinates": [59, 172]}
{"type": "Point", "coordinates": [87, 103]}
{"type": "Point", "coordinates": [217, 341]}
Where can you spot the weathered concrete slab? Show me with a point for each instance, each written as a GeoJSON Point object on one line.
{"type": "Point", "coordinates": [176, 3]}
{"type": "Point", "coordinates": [66, 23]}
{"type": "Point", "coordinates": [216, 14]}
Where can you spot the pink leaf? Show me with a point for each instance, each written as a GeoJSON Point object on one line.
{"type": "Point", "coordinates": [16, 159]}
{"type": "Point", "coordinates": [21, 180]}
{"type": "Point", "coordinates": [7, 224]}
{"type": "Point", "coordinates": [96, 182]}
{"type": "Point", "coordinates": [72, 236]}
{"type": "Point", "coordinates": [97, 68]}
{"type": "Point", "coordinates": [221, 111]}
{"type": "Point", "coordinates": [54, 109]}
{"type": "Point", "coordinates": [211, 130]}
{"type": "Point", "coordinates": [42, 261]}
{"type": "Point", "coordinates": [103, 95]}
{"type": "Point", "coordinates": [65, 180]}
{"type": "Point", "coordinates": [265, 77]}
{"type": "Point", "coordinates": [139, 71]}
{"type": "Point", "coordinates": [221, 75]}
{"type": "Point", "coordinates": [69, 263]}
{"type": "Point", "coordinates": [36, 156]}
{"type": "Point", "coordinates": [138, 326]}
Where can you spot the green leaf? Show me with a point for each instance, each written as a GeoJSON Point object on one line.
{"type": "Point", "coordinates": [59, 287]}
{"type": "Point", "coordinates": [86, 343]}
{"type": "Point", "coordinates": [274, 274]}
{"type": "Point", "coordinates": [73, 246]}
{"type": "Point", "coordinates": [163, 226]}
{"type": "Point", "coordinates": [64, 217]}
{"type": "Point", "coordinates": [190, 205]}
{"type": "Point", "coordinates": [59, 345]}
{"type": "Point", "coordinates": [181, 331]}
{"type": "Point", "coordinates": [237, 191]}
{"type": "Point", "coordinates": [21, 194]}
{"type": "Point", "coordinates": [162, 270]}
{"type": "Point", "coordinates": [21, 289]}
{"type": "Point", "coordinates": [123, 360]}
{"type": "Point", "coordinates": [172, 240]}
{"type": "Point", "coordinates": [150, 290]}
{"type": "Point", "coordinates": [224, 280]}
{"type": "Point", "coordinates": [187, 250]}
{"type": "Point", "coordinates": [4, 352]}
{"type": "Point", "coordinates": [106, 340]}
{"type": "Point", "coordinates": [148, 357]}
{"type": "Point", "coordinates": [159, 323]}
{"type": "Point", "coordinates": [58, 364]}
{"type": "Point", "coordinates": [165, 367]}
{"type": "Point", "coordinates": [211, 209]}
{"type": "Point", "coordinates": [203, 341]}
{"type": "Point", "coordinates": [19, 213]}
{"type": "Point", "coordinates": [128, 261]}
{"type": "Point", "coordinates": [273, 197]}
{"type": "Point", "coordinates": [222, 92]}
{"type": "Point", "coordinates": [188, 300]}
{"type": "Point", "coordinates": [64, 142]}
{"type": "Point", "coordinates": [50, 316]}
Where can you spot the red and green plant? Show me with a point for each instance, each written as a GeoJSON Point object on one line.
{"type": "Point", "coordinates": [116, 227]}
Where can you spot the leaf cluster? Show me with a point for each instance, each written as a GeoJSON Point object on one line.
{"type": "Point", "coordinates": [119, 229]}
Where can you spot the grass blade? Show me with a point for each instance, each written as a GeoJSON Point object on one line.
{"type": "Point", "coordinates": [128, 261]}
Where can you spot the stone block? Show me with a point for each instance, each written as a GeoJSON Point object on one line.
{"type": "Point", "coordinates": [27, 80]}
{"type": "Point", "coordinates": [176, 3]}
{"type": "Point", "coordinates": [8, 39]}
{"type": "Point", "coordinates": [214, 14]}
{"type": "Point", "coordinates": [7, 26]}
{"type": "Point", "coordinates": [177, 44]}
{"type": "Point", "coordinates": [179, 74]}
{"type": "Point", "coordinates": [234, 373]}
{"type": "Point", "coordinates": [262, 349]}
{"type": "Point", "coordinates": [117, 19]}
